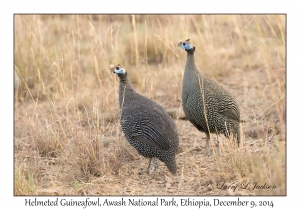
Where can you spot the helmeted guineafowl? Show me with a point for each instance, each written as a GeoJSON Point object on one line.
{"type": "Point", "coordinates": [206, 104]}
{"type": "Point", "coordinates": [146, 125]}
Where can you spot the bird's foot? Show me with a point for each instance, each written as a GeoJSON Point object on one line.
{"type": "Point", "coordinates": [153, 165]}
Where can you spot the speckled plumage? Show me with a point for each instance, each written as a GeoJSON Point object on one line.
{"type": "Point", "coordinates": [222, 111]}
{"type": "Point", "coordinates": [147, 126]}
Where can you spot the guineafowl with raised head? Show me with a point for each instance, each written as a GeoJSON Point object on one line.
{"type": "Point", "coordinates": [206, 104]}
{"type": "Point", "coordinates": [146, 125]}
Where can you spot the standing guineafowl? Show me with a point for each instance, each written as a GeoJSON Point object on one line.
{"type": "Point", "coordinates": [220, 114]}
{"type": "Point", "coordinates": [146, 125]}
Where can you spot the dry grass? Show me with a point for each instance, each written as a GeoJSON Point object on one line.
{"type": "Point", "coordinates": [67, 136]}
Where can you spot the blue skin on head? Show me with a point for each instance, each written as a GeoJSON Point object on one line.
{"type": "Point", "coordinates": [119, 70]}
{"type": "Point", "coordinates": [186, 46]}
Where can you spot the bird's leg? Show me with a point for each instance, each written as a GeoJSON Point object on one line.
{"type": "Point", "coordinates": [195, 143]}
{"type": "Point", "coordinates": [152, 165]}
{"type": "Point", "coordinates": [207, 149]}
{"type": "Point", "coordinates": [217, 144]}
{"type": "Point", "coordinates": [238, 139]}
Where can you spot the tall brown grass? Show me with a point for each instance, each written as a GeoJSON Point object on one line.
{"type": "Point", "coordinates": [67, 107]}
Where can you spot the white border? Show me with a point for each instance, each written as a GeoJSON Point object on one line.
{"type": "Point", "coordinates": [154, 6]}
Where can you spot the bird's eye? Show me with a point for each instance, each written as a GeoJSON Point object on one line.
{"type": "Point", "coordinates": [118, 68]}
{"type": "Point", "coordinates": [183, 43]}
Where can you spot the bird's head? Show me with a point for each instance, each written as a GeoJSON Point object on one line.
{"type": "Point", "coordinates": [186, 45]}
{"type": "Point", "coordinates": [117, 69]}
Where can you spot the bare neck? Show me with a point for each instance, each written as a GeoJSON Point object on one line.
{"type": "Point", "coordinates": [126, 91]}
{"type": "Point", "coordinates": [190, 61]}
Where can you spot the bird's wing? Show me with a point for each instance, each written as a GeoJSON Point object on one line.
{"type": "Point", "coordinates": [230, 110]}
{"type": "Point", "coordinates": [227, 106]}
{"type": "Point", "coordinates": [230, 114]}
{"type": "Point", "coordinates": [147, 141]}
